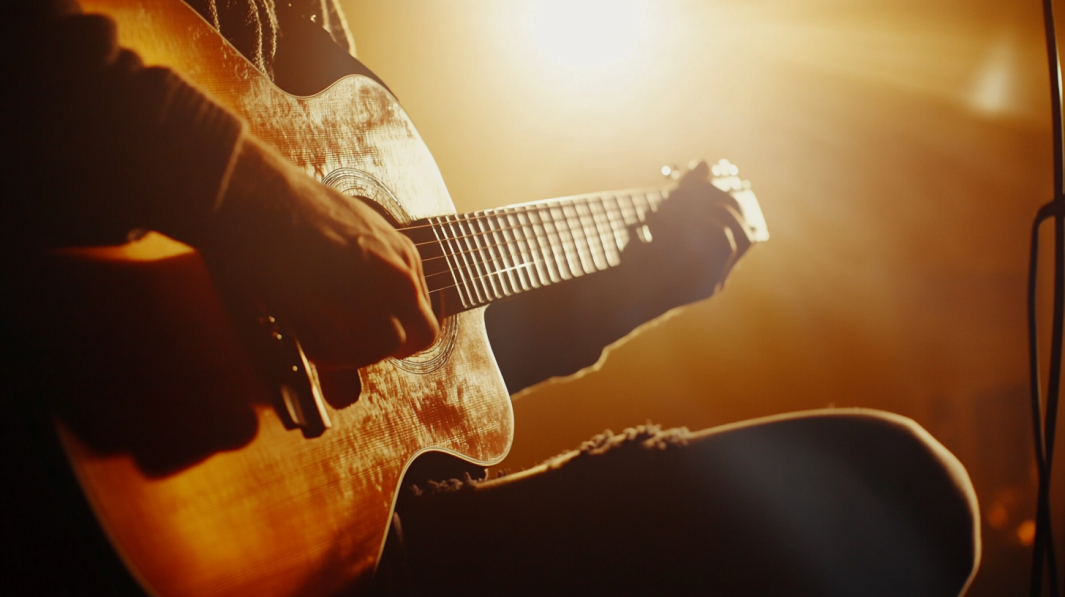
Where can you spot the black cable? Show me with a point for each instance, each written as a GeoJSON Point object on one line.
{"type": "Point", "coordinates": [1035, 388]}
{"type": "Point", "coordinates": [1055, 94]}
{"type": "Point", "coordinates": [1043, 547]}
{"type": "Point", "coordinates": [1044, 423]}
{"type": "Point", "coordinates": [1050, 416]}
{"type": "Point", "coordinates": [1053, 386]}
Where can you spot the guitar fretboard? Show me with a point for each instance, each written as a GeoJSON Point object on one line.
{"type": "Point", "coordinates": [475, 258]}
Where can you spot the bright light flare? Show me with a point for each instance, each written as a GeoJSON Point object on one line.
{"type": "Point", "coordinates": [997, 86]}
{"type": "Point", "coordinates": [588, 35]}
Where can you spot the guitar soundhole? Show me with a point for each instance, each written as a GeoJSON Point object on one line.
{"type": "Point", "coordinates": [436, 355]}
{"type": "Point", "coordinates": [357, 183]}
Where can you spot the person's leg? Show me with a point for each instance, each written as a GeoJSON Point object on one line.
{"type": "Point", "coordinates": [842, 502]}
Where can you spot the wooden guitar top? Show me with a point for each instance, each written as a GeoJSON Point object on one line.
{"type": "Point", "coordinates": [177, 441]}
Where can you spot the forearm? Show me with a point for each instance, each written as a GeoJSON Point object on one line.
{"type": "Point", "coordinates": [699, 234]}
{"type": "Point", "coordinates": [561, 329]}
{"type": "Point", "coordinates": [108, 145]}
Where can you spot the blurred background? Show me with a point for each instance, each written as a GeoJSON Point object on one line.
{"type": "Point", "coordinates": [900, 149]}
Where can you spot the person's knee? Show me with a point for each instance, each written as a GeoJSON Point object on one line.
{"type": "Point", "coordinates": [919, 489]}
{"type": "Point", "coordinates": [869, 500]}
{"type": "Point", "coordinates": [927, 483]}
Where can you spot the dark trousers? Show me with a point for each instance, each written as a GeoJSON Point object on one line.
{"type": "Point", "coordinates": [833, 503]}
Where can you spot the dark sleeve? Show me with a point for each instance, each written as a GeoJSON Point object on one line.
{"type": "Point", "coordinates": [99, 144]}
{"type": "Point", "coordinates": [563, 328]}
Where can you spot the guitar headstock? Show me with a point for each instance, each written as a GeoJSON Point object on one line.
{"type": "Point", "coordinates": [726, 177]}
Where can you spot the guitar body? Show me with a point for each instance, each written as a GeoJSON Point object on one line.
{"type": "Point", "coordinates": [176, 440]}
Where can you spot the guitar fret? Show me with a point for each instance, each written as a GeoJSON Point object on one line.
{"type": "Point", "coordinates": [496, 274]}
{"type": "Point", "coordinates": [497, 253]}
{"type": "Point", "coordinates": [477, 247]}
{"type": "Point", "coordinates": [457, 271]}
{"type": "Point", "coordinates": [580, 243]}
{"type": "Point", "coordinates": [560, 241]}
{"type": "Point", "coordinates": [484, 249]}
{"type": "Point", "coordinates": [510, 241]}
{"type": "Point", "coordinates": [535, 273]}
{"type": "Point", "coordinates": [506, 273]}
{"type": "Point", "coordinates": [470, 261]}
{"type": "Point", "coordinates": [591, 236]}
{"type": "Point", "coordinates": [617, 224]}
{"type": "Point", "coordinates": [642, 205]}
{"type": "Point", "coordinates": [605, 231]}
{"type": "Point", "coordinates": [556, 238]}
{"type": "Point", "coordinates": [558, 263]}
{"type": "Point", "coordinates": [654, 199]}
{"type": "Point", "coordinates": [573, 252]}
{"type": "Point", "coordinates": [628, 210]}
{"type": "Point", "coordinates": [522, 267]}
{"type": "Point", "coordinates": [534, 232]}
{"type": "Point", "coordinates": [560, 221]}
{"type": "Point", "coordinates": [477, 250]}
{"type": "Point", "coordinates": [473, 266]}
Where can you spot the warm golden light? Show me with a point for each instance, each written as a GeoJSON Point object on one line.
{"type": "Point", "coordinates": [997, 517]}
{"type": "Point", "coordinates": [1026, 532]}
{"type": "Point", "coordinates": [899, 150]}
{"type": "Point", "coordinates": [587, 34]}
{"type": "Point", "coordinates": [996, 86]}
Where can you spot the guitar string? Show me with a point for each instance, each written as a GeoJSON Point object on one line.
{"type": "Point", "coordinates": [595, 243]}
{"type": "Point", "coordinates": [495, 295]}
{"type": "Point", "coordinates": [566, 248]}
{"type": "Point", "coordinates": [565, 257]}
{"type": "Point", "coordinates": [539, 251]}
{"type": "Point", "coordinates": [476, 233]}
{"type": "Point", "coordinates": [635, 216]}
{"type": "Point", "coordinates": [603, 237]}
{"type": "Point", "coordinates": [563, 261]}
{"type": "Point", "coordinates": [574, 222]}
{"type": "Point", "coordinates": [476, 298]}
{"type": "Point", "coordinates": [517, 290]}
{"type": "Point", "coordinates": [543, 258]}
{"type": "Point", "coordinates": [469, 276]}
{"type": "Point", "coordinates": [597, 250]}
{"type": "Point", "coordinates": [638, 214]}
{"type": "Point", "coordinates": [537, 207]}
{"type": "Point", "coordinates": [649, 196]}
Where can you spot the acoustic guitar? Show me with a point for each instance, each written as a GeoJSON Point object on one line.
{"type": "Point", "coordinates": [211, 478]}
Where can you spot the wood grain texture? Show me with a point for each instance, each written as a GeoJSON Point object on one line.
{"type": "Point", "coordinates": [175, 439]}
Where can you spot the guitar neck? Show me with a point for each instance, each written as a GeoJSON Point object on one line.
{"type": "Point", "coordinates": [475, 258]}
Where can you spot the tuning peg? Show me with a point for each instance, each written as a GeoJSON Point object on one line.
{"type": "Point", "coordinates": [671, 172]}
{"type": "Point", "coordinates": [725, 168]}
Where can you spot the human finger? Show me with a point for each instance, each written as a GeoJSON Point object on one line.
{"type": "Point", "coordinates": [405, 293]}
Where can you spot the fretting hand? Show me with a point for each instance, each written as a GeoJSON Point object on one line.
{"type": "Point", "coordinates": [698, 235]}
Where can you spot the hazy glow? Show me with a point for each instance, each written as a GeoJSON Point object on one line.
{"type": "Point", "coordinates": [899, 150]}
{"type": "Point", "coordinates": [1026, 532]}
{"type": "Point", "coordinates": [993, 92]}
{"type": "Point", "coordinates": [587, 34]}
{"type": "Point", "coordinates": [989, 72]}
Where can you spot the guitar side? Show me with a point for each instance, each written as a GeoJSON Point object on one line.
{"type": "Point", "coordinates": [176, 441]}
